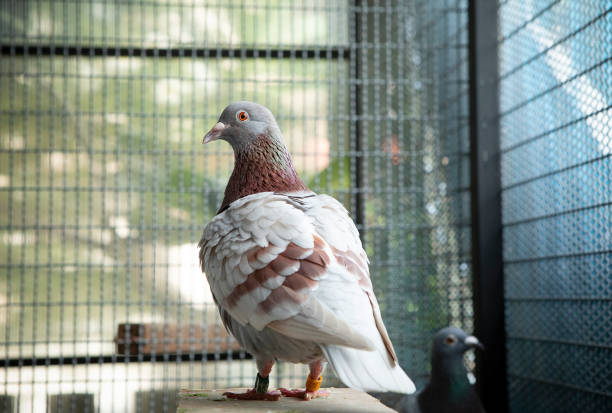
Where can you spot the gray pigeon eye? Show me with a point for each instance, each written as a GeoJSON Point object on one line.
{"type": "Point", "coordinates": [242, 116]}
{"type": "Point", "coordinates": [450, 339]}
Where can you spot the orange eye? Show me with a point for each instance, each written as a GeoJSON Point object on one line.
{"type": "Point", "coordinates": [242, 116]}
{"type": "Point", "coordinates": [450, 339]}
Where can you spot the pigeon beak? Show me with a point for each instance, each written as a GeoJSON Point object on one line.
{"type": "Point", "coordinates": [214, 133]}
{"type": "Point", "coordinates": [473, 342]}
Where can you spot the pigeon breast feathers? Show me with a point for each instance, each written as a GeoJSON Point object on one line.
{"type": "Point", "coordinates": [265, 257]}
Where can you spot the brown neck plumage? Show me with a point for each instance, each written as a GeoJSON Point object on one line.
{"type": "Point", "coordinates": [264, 166]}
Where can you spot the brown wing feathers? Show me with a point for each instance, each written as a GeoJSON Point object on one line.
{"type": "Point", "coordinates": [356, 265]}
{"type": "Point", "coordinates": [293, 270]}
{"type": "Point", "coordinates": [289, 274]}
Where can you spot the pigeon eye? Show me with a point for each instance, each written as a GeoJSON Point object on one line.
{"type": "Point", "coordinates": [242, 116]}
{"type": "Point", "coordinates": [451, 339]}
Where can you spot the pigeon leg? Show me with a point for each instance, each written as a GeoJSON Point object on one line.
{"type": "Point", "coordinates": [260, 390]}
{"type": "Point", "coordinates": [312, 384]}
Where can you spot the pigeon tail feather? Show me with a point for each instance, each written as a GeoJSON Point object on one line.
{"type": "Point", "coordinates": [367, 370]}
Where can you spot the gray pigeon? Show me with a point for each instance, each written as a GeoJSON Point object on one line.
{"type": "Point", "coordinates": [448, 389]}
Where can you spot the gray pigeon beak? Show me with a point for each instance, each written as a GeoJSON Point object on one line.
{"type": "Point", "coordinates": [473, 342]}
{"type": "Point", "coordinates": [214, 133]}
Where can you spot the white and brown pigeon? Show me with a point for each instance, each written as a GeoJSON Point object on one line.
{"type": "Point", "coordinates": [287, 269]}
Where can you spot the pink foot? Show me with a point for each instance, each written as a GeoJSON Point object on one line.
{"type": "Point", "coordinates": [303, 394]}
{"type": "Point", "coordinates": [253, 395]}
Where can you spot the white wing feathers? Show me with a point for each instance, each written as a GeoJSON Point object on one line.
{"type": "Point", "coordinates": [263, 260]}
{"type": "Point", "coordinates": [367, 370]}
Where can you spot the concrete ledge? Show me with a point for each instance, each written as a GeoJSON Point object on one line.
{"type": "Point", "coordinates": [339, 401]}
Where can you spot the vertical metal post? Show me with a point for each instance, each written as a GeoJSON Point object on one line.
{"type": "Point", "coordinates": [486, 204]}
{"type": "Point", "coordinates": [357, 71]}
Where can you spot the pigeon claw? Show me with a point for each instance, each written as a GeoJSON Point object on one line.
{"type": "Point", "coordinates": [304, 394]}
{"type": "Point", "coordinates": [273, 396]}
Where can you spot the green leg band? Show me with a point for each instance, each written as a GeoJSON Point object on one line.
{"type": "Point", "coordinates": [261, 384]}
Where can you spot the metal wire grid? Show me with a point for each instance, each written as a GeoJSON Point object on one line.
{"type": "Point", "coordinates": [556, 122]}
{"type": "Point", "coordinates": [107, 189]}
{"type": "Point", "coordinates": [441, 247]}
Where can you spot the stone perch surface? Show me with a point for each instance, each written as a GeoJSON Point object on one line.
{"type": "Point", "coordinates": [339, 401]}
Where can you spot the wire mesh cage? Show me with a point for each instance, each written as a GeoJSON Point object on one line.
{"type": "Point", "coordinates": [555, 125]}
{"type": "Point", "coordinates": [106, 188]}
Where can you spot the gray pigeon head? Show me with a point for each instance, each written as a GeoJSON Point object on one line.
{"type": "Point", "coordinates": [242, 122]}
{"type": "Point", "coordinates": [451, 342]}
{"type": "Point", "coordinates": [447, 350]}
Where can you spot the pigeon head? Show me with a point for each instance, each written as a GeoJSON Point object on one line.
{"type": "Point", "coordinates": [241, 123]}
{"type": "Point", "coordinates": [261, 160]}
{"type": "Point", "coordinates": [447, 365]}
{"type": "Point", "coordinates": [453, 342]}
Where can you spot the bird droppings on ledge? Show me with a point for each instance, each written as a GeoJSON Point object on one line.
{"type": "Point", "coordinates": [338, 401]}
